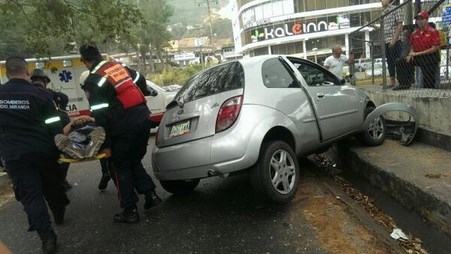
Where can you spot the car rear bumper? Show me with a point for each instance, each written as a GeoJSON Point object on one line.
{"type": "Point", "coordinates": [176, 162]}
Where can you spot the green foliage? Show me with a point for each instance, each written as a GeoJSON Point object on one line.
{"type": "Point", "coordinates": [46, 27]}
{"type": "Point", "coordinates": [172, 76]}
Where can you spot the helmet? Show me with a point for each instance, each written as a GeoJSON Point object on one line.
{"type": "Point", "coordinates": [38, 73]}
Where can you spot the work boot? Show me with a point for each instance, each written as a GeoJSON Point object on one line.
{"type": "Point", "coordinates": [58, 214]}
{"type": "Point", "coordinates": [66, 145]}
{"type": "Point", "coordinates": [97, 137]}
{"type": "Point", "coordinates": [48, 239]}
{"type": "Point", "coordinates": [104, 182]}
{"type": "Point", "coordinates": [127, 216]}
{"type": "Point", "coordinates": [152, 199]}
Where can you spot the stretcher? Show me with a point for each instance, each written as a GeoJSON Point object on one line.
{"type": "Point", "coordinates": [64, 159]}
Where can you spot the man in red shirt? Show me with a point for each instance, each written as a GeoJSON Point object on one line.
{"type": "Point", "coordinates": [424, 52]}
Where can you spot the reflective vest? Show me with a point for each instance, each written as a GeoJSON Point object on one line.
{"type": "Point", "coordinates": [126, 91]}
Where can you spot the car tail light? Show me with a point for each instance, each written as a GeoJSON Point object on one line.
{"type": "Point", "coordinates": [228, 113]}
{"type": "Point", "coordinates": [156, 118]}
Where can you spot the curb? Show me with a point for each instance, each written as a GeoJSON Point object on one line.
{"type": "Point", "coordinates": [4, 179]}
{"type": "Point", "coordinates": [404, 179]}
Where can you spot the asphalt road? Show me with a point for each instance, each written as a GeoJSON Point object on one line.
{"type": "Point", "coordinates": [221, 216]}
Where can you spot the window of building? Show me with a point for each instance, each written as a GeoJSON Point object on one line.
{"type": "Point", "coordinates": [320, 4]}
{"type": "Point", "coordinates": [310, 5]}
{"type": "Point", "coordinates": [260, 51]}
{"type": "Point", "coordinates": [299, 6]}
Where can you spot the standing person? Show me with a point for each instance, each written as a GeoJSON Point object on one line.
{"type": "Point", "coordinates": [424, 52]}
{"type": "Point", "coordinates": [28, 123]}
{"type": "Point", "coordinates": [105, 163]}
{"type": "Point", "coordinates": [337, 61]}
{"type": "Point", "coordinates": [40, 79]}
{"type": "Point", "coordinates": [392, 35]}
{"type": "Point", "coordinates": [120, 108]}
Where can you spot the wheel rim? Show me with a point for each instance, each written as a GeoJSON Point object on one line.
{"type": "Point", "coordinates": [376, 129]}
{"type": "Point", "coordinates": [282, 172]}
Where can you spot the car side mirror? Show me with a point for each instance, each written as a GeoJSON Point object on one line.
{"type": "Point", "coordinates": [350, 78]}
{"type": "Point", "coordinates": [153, 93]}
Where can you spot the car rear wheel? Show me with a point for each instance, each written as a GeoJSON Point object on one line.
{"type": "Point", "coordinates": [180, 187]}
{"type": "Point", "coordinates": [375, 134]}
{"type": "Point", "coordinates": [276, 174]}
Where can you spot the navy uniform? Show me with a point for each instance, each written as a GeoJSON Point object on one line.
{"type": "Point", "coordinates": [40, 79]}
{"type": "Point", "coordinates": [28, 123]}
{"type": "Point", "coordinates": [119, 106]}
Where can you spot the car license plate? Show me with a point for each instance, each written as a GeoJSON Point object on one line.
{"type": "Point", "coordinates": [180, 129]}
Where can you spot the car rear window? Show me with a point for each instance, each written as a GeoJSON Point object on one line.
{"type": "Point", "coordinates": [218, 79]}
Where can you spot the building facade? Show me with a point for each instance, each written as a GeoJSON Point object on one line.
{"type": "Point", "coordinates": [304, 28]}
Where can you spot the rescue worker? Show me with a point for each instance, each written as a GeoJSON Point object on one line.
{"type": "Point", "coordinates": [28, 122]}
{"type": "Point", "coordinates": [40, 79]}
{"type": "Point", "coordinates": [120, 108]}
{"type": "Point", "coordinates": [105, 163]}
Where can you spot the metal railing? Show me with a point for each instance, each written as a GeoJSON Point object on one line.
{"type": "Point", "coordinates": [402, 67]}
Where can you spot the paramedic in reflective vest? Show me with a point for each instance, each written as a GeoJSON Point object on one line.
{"type": "Point", "coordinates": [28, 123]}
{"type": "Point", "coordinates": [120, 108]}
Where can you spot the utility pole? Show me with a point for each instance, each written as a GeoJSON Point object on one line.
{"type": "Point", "coordinates": [209, 17]}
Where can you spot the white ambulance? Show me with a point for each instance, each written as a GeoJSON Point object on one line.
{"type": "Point", "coordinates": [64, 73]}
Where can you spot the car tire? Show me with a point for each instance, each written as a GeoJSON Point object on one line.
{"type": "Point", "coordinates": [360, 69]}
{"type": "Point", "coordinates": [376, 132]}
{"type": "Point", "coordinates": [180, 187]}
{"type": "Point", "coordinates": [275, 176]}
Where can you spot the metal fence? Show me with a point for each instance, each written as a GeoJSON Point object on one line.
{"type": "Point", "coordinates": [409, 64]}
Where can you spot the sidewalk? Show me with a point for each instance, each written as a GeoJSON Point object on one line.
{"type": "Point", "coordinates": [3, 178]}
{"type": "Point", "coordinates": [417, 176]}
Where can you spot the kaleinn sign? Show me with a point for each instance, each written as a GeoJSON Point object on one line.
{"type": "Point", "coordinates": [298, 27]}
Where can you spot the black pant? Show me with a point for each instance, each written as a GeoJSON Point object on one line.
{"type": "Point", "coordinates": [128, 150]}
{"type": "Point", "coordinates": [38, 178]}
{"type": "Point", "coordinates": [392, 53]}
{"type": "Point", "coordinates": [428, 63]}
{"type": "Point", "coordinates": [108, 169]}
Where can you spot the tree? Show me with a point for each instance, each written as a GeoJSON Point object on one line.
{"type": "Point", "coordinates": [152, 34]}
{"type": "Point", "coordinates": [48, 26]}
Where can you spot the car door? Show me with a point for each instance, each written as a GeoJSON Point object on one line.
{"type": "Point", "coordinates": [338, 108]}
{"type": "Point", "coordinates": [156, 104]}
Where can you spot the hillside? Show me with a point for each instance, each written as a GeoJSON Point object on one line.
{"type": "Point", "coordinates": [192, 12]}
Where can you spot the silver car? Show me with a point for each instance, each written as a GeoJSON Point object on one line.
{"type": "Point", "coordinates": [258, 114]}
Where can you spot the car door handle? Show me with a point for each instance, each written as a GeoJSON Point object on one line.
{"type": "Point", "coordinates": [320, 95]}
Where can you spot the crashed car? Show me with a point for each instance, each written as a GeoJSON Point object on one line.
{"type": "Point", "coordinates": [258, 115]}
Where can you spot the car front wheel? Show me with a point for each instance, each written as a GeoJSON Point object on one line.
{"type": "Point", "coordinates": [375, 134]}
{"type": "Point", "coordinates": [180, 187]}
{"type": "Point", "coordinates": [276, 174]}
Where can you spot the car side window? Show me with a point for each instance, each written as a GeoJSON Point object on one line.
{"type": "Point", "coordinates": [217, 79]}
{"type": "Point", "coordinates": [275, 75]}
{"type": "Point", "coordinates": [315, 75]}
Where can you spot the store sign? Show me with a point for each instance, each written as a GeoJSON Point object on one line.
{"type": "Point", "coordinates": [299, 27]}
{"type": "Point", "coordinates": [446, 15]}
